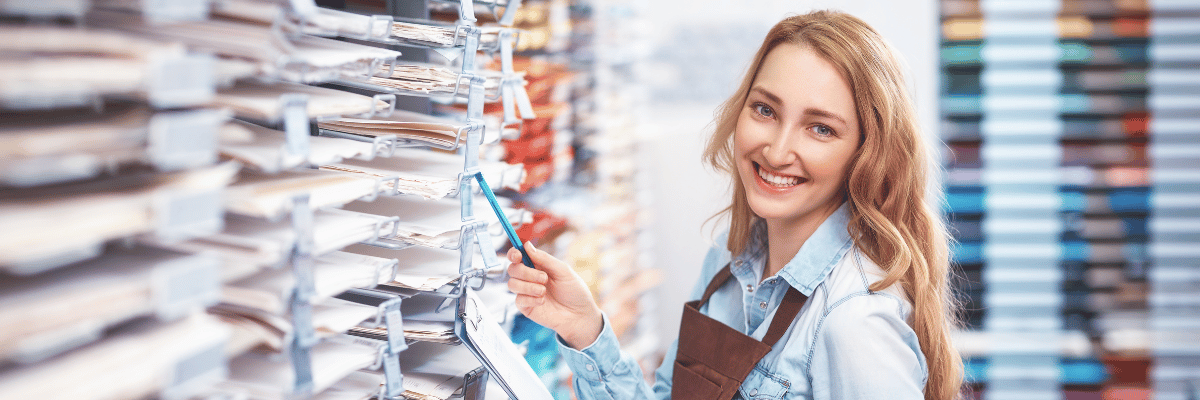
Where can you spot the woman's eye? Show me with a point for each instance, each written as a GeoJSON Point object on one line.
{"type": "Point", "coordinates": [763, 110]}
{"type": "Point", "coordinates": [822, 130]}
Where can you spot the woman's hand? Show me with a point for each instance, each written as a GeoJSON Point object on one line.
{"type": "Point", "coordinates": [554, 296]}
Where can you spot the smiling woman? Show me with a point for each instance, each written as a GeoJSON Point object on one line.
{"type": "Point", "coordinates": [794, 141]}
{"type": "Point", "coordinates": [831, 239]}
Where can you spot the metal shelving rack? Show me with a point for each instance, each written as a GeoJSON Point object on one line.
{"type": "Point", "coordinates": [297, 125]}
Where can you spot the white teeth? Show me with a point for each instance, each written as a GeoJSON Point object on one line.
{"type": "Point", "coordinates": [777, 180]}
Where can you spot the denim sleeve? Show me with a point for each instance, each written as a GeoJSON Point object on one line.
{"type": "Point", "coordinates": [864, 349]}
{"type": "Point", "coordinates": [603, 371]}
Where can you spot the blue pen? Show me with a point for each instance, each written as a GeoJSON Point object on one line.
{"type": "Point", "coordinates": [512, 233]}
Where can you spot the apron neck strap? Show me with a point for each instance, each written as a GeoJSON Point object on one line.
{"type": "Point", "coordinates": [788, 309]}
{"type": "Point", "coordinates": [719, 279]}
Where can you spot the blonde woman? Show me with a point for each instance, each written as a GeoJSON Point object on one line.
{"type": "Point", "coordinates": [832, 281]}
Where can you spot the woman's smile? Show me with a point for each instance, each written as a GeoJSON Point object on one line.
{"type": "Point", "coordinates": [775, 181]}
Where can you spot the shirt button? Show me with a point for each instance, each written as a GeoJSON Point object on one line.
{"type": "Point", "coordinates": [591, 367]}
{"type": "Point", "coordinates": [753, 392]}
{"type": "Point", "coordinates": [750, 288]}
{"type": "Point", "coordinates": [762, 305]}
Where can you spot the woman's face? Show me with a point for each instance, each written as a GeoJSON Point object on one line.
{"type": "Point", "coordinates": [795, 137]}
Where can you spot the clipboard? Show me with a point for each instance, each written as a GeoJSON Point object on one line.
{"type": "Point", "coordinates": [499, 355]}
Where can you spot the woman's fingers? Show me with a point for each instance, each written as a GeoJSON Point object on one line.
{"type": "Point", "coordinates": [527, 303]}
{"type": "Point", "coordinates": [521, 287]}
{"type": "Point", "coordinates": [546, 262]}
{"type": "Point", "coordinates": [520, 271]}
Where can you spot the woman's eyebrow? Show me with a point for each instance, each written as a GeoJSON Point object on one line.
{"type": "Point", "coordinates": [822, 113]}
{"type": "Point", "coordinates": [770, 96]}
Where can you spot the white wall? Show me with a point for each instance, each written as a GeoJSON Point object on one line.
{"type": "Point", "coordinates": [690, 74]}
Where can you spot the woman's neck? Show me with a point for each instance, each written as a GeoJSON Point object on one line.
{"type": "Point", "coordinates": [785, 237]}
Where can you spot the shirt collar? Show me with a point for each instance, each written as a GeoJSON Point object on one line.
{"type": "Point", "coordinates": [816, 258]}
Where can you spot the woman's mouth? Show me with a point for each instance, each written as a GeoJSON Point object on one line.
{"type": "Point", "coordinates": [777, 180]}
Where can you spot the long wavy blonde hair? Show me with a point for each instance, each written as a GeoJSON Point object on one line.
{"type": "Point", "coordinates": [894, 221]}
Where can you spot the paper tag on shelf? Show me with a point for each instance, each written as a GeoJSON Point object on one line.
{"type": "Point", "coordinates": [393, 376]}
{"type": "Point", "coordinates": [197, 372]}
{"type": "Point", "coordinates": [506, 51]}
{"type": "Point", "coordinates": [509, 101]}
{"type": "Point", "coordinates": [180, 81]}
{"type": "Point", "coordinates": [395, 327]}
{"type": "Point", "coordinates": [487, 248]}
{"type": "Point", "coordinates": [451, 53]}
{"type": "Point", "coordinates": [162, 11]}
{"type": "Point", "coordinates": [523, 103]}
{"type": "Point", "coordinates": [471, 47]}
{"type": "Point", "coordinates": [304, 7]}
{"type": "Point", "coordinates": [184, 139]}
{"type": "Point", "coordinates": [182, 284]}
{"type": "Point", "coordinates": [183, 215]}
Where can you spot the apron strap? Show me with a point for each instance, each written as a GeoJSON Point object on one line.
{"type": "Point", "coordinates": [788, 309]}
{"type": "Point", "coordinates": [719, 279]}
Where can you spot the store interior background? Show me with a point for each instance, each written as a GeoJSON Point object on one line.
{"type": "Point", "coordinates": [1067, 132]}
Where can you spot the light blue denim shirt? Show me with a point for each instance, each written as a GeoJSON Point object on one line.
{"type": "Point", "coordinates": [847, 343]}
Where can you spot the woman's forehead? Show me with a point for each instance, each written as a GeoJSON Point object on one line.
{"type": "Point", "coordinates": [800, 77]}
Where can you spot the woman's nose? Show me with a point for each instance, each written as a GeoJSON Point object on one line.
{"type": "Point", "coordinates": [778, 152]}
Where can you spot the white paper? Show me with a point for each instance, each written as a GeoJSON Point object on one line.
{"type": "Point", "coordinates": [359, 385]}
{"type": "Point", "coordinates": [271, 196]}
{"type": "Point", "coordinates": [333, 273]}
{"type": "Point", "coordinates": [42, 313]}
{"type": "Point", "coordinates": [500, 355]}
{"type": "Point", "coordinates": [420, 268]}
{"type": "Point", "coordinates": [265, 149]}
{"type": "Point", "coordinates": [432, 174]}
{"type": "Point", "coordinates": [93, 212]}
{"type": "Point", "coordinates": [333, 315]}
{"type": "Point", "coordinates": [266, 375]}
{"type": "Point", "coordinates": [437, 223]}
{"type": "Point", "coordinates": [264, 243]}
{"type": "Point", "coordinates": [134, 362]}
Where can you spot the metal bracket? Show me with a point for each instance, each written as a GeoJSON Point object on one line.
{"type": "Point", "coordinates": [389, 99]}
{"type": "Point", "coordinates": [387, 33]}
{"type": "Point", "coordinates": [466, 10]}
{"type": "Point", "coordinates": [475, 384]}
{"type": "Point", "coordinates": [471, 48]}
{"type": "Point", "coordinates": [378, 239]}
{"type": "Point", "coordinates": [510, 12]}
{"type": "Point", "coordinates": [394, 322]}
{"type": "Point", "coordinates": [303, 336]}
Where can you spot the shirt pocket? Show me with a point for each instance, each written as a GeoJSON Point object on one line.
{"type": "Point", "coordinates": [763, 385]}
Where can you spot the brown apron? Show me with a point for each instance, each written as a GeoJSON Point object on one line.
{"type": "Point", "coordinates": [713, 359]}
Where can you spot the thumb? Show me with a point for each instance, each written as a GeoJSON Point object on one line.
{"type": "Point", "coordinates": [546, 262]}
